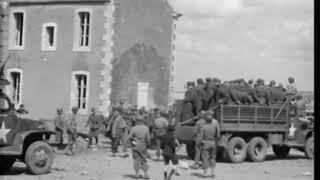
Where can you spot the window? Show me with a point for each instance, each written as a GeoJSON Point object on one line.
{"type": "Point", "coordinates": [82, 30]}
{"type": "Point", "coordinates": [17, 30]}
{"type": "Point", "coordinates": [49, 35]}
{"type": "Point", "coordinates": [14, 90]}
{"type": "Point", "coordinates": [80, 90]}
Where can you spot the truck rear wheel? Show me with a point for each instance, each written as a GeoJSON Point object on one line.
{"type": "Point", "coordinates": [191, 152]}
{"type": "Point", "coordinates": [257, 149]}
{"type": "Point", "coordinates": [309, 147]}
{"type": "Point", "coordinates": [281, 150]}
{"type": "Point", "coordinates": [39, 157]}
{"type": "Point", "coordinates": [6, 162]}
{"type": "Point", "coordinates": [236, 150]}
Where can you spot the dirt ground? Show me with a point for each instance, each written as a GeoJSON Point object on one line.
{"type": "Point", "coordinates": [97, 164]}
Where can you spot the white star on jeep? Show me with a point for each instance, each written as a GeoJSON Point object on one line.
{"type": "Point", "coordinates": [292, 129]}
{"type": "Point", "coordinates": [3, 132]}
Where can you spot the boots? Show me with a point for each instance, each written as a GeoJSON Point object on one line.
{"type": "Point", "coordinates": [171, 174]}
{"type": "Point", "coordinates": [165, 175]}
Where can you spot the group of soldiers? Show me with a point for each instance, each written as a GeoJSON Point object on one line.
{"type": "Point", "coordinates": [126, 126]}
{"type": "Point", "coordinates": [204, 95]}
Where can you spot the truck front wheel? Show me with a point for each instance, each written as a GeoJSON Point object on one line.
{"type": "Point", "coordinates": [281, 150]}
{"type": "Point", "coordinates": [257, 149]}
{"type": "Point", "coordinates": [190, 148]}
{"type": "Point", "coordinates": [6, 162]}
{"type": "Point", "coordinates": [309, 147]}
{"type": "Point", "coordinates": [236, 150]}
{"type": "Point", "coordinates": [39, 157]}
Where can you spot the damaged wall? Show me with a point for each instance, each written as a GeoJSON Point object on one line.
{"type": "Point", "coordinates": [142, 50]}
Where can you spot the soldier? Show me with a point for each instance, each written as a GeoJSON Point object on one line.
{"type": "Point", "coordinates": [94, 122]}
{"type": "Point", "coordinates": [291, 87]}
{"type": "Point", "coordinates": [201, 92]}
{"type": "Point", "coordinates": [196, 132]}
{"type": "Point", "coordinates": [277, 95]}
{"type": "Point", "coordinates": [160, 126]}
{"type": "Point", "coordinates": [22, 109]}
{"type": "Point", "coordinates": [209, 135]}
{"type": "Point", "coordinates": [209, 89]}
{"type": "Point", "coordinates": [191, 96]}
{"type": "Point", "coordinates": [140, 139]}
{"type": "Point", "coordinates": [119, 134]}
{"type": "Point", "coordinates": [222, 95]}
{"type": "Point", "coordinates": [262, 92]}
{"type": "Point", "coordinates": [168, 145]}
{"type": "Point", "coordinates": [72, 131]}
{"type": "Point", "coordinates": [59, 126]}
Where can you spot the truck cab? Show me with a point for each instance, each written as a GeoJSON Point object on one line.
{"type": "Point", "coordinates": [23, 139]}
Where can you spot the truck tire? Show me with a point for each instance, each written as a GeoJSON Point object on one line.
{"type": "Point", "coordinates": [236, 150]}
{"type": "Point", "coordinates": [39, 157]}
{"type": "Point", "coordinates": [257, 149]}
{"type": "Point", "coordinates": [281, 151]}
{"type": "Point", "coordinates": [191, 152]}
{"type": "Point", "coordinates": [309, 147]}
{"type": "Point", "coordinates": [6, 162]}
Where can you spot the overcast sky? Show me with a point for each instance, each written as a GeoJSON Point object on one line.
{"type": "Point", "coordinates": [229, 39]}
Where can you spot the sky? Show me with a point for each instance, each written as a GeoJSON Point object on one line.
{"type": "Point", "coordinates": [230, 39]}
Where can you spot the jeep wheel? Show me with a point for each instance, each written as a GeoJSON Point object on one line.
{"type": "Point", "coordinates": [236, 150]}
{"type": "Point", "coordinates": [309, 147]}
{"type": "Point", "coordinates": [39, 157]}
{"type": "Point", "coordinates": [6, 162]}
{"type": "Point", "coordinates": [281, 151]}
{"type": "Point", "coordinates": [257, 149]}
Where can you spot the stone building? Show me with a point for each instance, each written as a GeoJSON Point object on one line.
{"type": "Point", "coordinates": [88, 53]}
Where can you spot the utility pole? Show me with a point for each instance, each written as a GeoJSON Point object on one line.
{"type": "Point", "coordinates": [175, 17]}
{"type": "Point", "coordinates": [4, 31]}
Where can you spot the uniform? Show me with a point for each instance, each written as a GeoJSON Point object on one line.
{"type": "Point", "coordinates": [277, 95]}
{"type": "Point", "coordinates": [200, 88]}
{"type": "Point", "coordinates": [160, 126]}
{"type": "Point", "coordinates": [59, 127]}
{"type": "Point", "coordinates": [72, 132]}
{"type": "Point", "coordinates": [140, 139]}
{"type": "Point", "coordinates": [94, 122]}
{"type": "Point", "coordinates": [263, 94]}
{"type": "Point", "coordinates": [198, 146]}
{"type": "Point", "coordinates": [119, 134]}
{"type": "Point", "coordinates": [168, 146]}
{"type": "Point", "coordinates": [209, 135]}
{"type": "Point", "coordinates": [191, 96]}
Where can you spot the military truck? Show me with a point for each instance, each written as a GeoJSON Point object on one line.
{"type": "Point", "coordinates": [247, 131]}
{"type": "Point", "coordinates": [23, 139]}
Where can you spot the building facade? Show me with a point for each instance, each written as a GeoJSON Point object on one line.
{"type": "Point", "coordinates": [88, 53]}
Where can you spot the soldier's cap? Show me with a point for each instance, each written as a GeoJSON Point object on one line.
{"type": "Point", "coordinates": [291, 78]}
{"type": "Point", "coordinates": [250, 81]}
{"type": "Point", "coordinates": [189, 83]}
{"type": "Point", "coordinates": [208, 79]}
{"type": "Point", "coordinates": [200, 80]}
{"type": "Point", "coordinates": [260, 80]}
{"type": "Point", "coordinates": [74, 108]}
{"type": "Point", "coordinates": [272, 82]}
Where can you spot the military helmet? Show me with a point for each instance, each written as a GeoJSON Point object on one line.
{"type": "Point", "coordinates": [208, 79]}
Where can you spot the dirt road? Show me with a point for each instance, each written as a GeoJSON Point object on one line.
{"type": "Point", "coordinates": [90, 164]}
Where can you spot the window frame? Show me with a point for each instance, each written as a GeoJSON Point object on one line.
{"type": "Point", "coordinates": [12, 43]}
{"type": "Point", "coordinates": [44, 47]}
{"type": "Point", "coordinates": [76, 37]}
{"type": "Point", "coordinates": [73, 90]}
{"type": "Point", "coordinates": [7, 89]}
